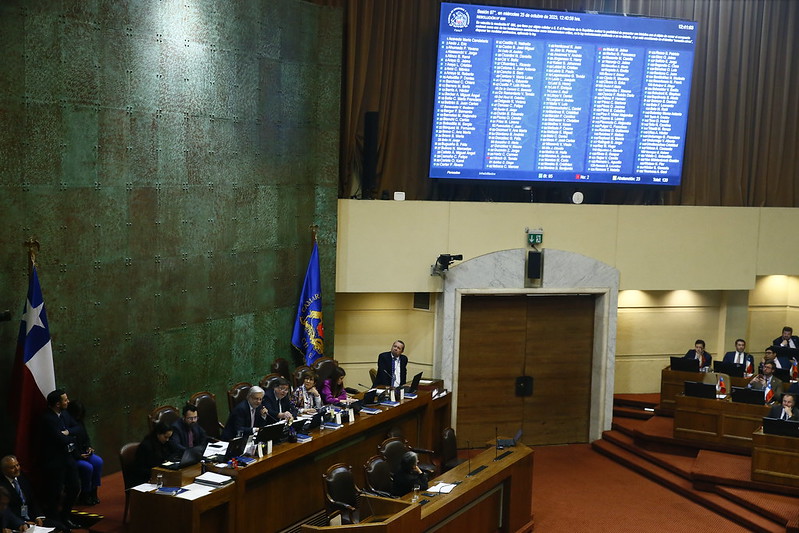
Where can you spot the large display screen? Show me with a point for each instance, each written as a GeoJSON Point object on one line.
{"type": "Point", "coordinates": [544, 96]}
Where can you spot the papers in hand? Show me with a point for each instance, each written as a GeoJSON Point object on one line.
{"type": "Point", "coordinates": [213, 479]}
{"type": "Point", "coordinates": [442, 488]}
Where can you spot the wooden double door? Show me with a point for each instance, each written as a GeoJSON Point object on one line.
{"type": "Point", "coordinates": [548, 337]}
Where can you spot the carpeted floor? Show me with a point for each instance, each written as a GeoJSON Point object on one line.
{"type": "Point", "coordinates": [578, 490]}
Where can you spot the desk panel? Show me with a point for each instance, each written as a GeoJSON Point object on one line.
{"type": "Point", "coordinates": [775, 459]}
{"type": "Point", "coordinates": [717, 424]}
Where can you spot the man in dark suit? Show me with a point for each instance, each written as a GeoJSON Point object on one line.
{"type": "Point", "coordinates": [770, 354]}
{"type": "Point", "coordinates": [58, 439]}
{"type": "Point", "coordinates": [740, 357]}
{"type": "Point", "coordinates": [699, 354]}
{"type": "Point", "coordinates": [787, 339]}
{"type": "Point", "coordinates": [187, 433]}
{"type": "Point", "coordinates": [392, 367]}
{"type": "Point", "coordinates": [8, 521]}
{"type": "Point", "coordinates": [246, 415]}
{"type": "Point", "coordinates": [277, 402]}
{"type": "Point", "coordinates": [22, 503]}
{"type": "Point", "coordinates": [786, 410]}
{"type": "Point", "coordinates": [766, 379]}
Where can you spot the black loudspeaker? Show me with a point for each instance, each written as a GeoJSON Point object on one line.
{"type": "Point", "coordinates": [524, 386]}
{"type": "Point", "coordinates": [369, 174]}
{"type": "Point", "coordinates": [535, 264]}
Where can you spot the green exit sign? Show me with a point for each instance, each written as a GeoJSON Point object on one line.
{"type": "Point", "coordinates": [535, 238]}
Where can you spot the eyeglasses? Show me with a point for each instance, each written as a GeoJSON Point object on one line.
{"type": "Point", "coordinates": [190, 418]}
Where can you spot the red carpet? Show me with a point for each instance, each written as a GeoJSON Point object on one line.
{"type": "Point", "coordinates": [576, 489]}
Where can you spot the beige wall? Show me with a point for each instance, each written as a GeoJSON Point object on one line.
{"type": "Point", "coordinates": [686, 273]}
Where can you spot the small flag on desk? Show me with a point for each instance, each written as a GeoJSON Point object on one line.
{"type": "Point", "coordinates": [308, 335]}
{"type": "Point", "coordinates": [769, 394]}
{"type": "Point", "coordinates": [794, 369]}
{"type": "Point", "coordinates": [721, 386]}
{"type": "Point", "coordinates": [33, 377]}
{"type": "Point", "coordinates": [750, 368]}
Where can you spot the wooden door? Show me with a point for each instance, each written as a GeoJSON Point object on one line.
{"type": "Point", "coordinates": [547, 337]}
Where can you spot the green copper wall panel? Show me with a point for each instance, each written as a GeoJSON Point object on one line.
{"type": "Point", "coordinates": [170, 157]}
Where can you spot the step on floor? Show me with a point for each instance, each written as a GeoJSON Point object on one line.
{"type": "Point", "coordinates": [719, 504]}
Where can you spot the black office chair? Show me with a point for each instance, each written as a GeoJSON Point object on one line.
{"type": "Point", "coordinates": [341, 494]}
{"type": "Point", "coordinates": [393, 448]}
{"type": "Point", "coordinates": [449, 450]}
{"type": "Point", "coordinates": [127, 457]}
{"type": "Point", "coordinates": [237, 393]}
{"type": "Point", "coordinates": [207, 414]}
{"type": "Point", "coordinates": [379, 480]}
{"type": "Point", "coordinates": [165, 413]}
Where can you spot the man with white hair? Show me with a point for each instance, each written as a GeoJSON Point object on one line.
{"type": "Point", "coordinates": [246, 415]}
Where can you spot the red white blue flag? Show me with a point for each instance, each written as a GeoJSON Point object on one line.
{"type": "Point", "coordinates": [794, 370]}
{"type": "Point", "coordinates": [769, 394]}
{"type": "Point", "coordinates": [33, 377]}
{"type": "Point", "coordinates": [721, 387]}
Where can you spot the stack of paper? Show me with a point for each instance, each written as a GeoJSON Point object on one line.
{"type": "Point", "coordinates": [213, 479]}
{"type": "Point", "coordinates": [442, 488]}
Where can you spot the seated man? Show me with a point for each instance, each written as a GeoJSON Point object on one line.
{"type": "Point", "coordinates": [769, 354]}
{"type": "Point", "coordinates": [246, 415]}
{"type": "Point", "coordinates": [392, 367]}
{"type": "Point", "coordinates": [699, 353]}
{"type": "Point", "coordinates": [277, 402]}
{"type": "Point", "coordinates": [8, 521]}
{"type": "Point", "coordinates": [767, 380]}
{"type": "Point", "coordinates": [787, 339]}
{"type": "Point", "coordinates": [740, 357]}
{"type": "Point", "coordinates": [187, 433]}
{"type": "Point", "coordinates": [408, 476]}
{"type": "Point", "coordinates": [786, 410]}
{"type": "Point", "coordinates": [22, 503]}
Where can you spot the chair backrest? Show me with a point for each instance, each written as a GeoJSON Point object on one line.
{"type": "Point", "coordinates": [237, 393]}
{"type": "Point", "coordinates": [373, 374]}
{"type": "Point", "coordinates": [339, 486]}
{"type": "Point", "coordinates": [266, 381]}
{"type": "Point", "coordinates": [378, 475]}
{"type": "Point", "coordinates": [297, 375]}
{"type": "Point", "coordinates": [392, 450]}
{"type": "Point", "coordinates": [208, 416]}
{"type": "Point", "coordinates": [127, 457]}
{"type": "Point", "coordinates": [165, 413]}
{"type": "Point", "coordinates": [449, 447]}
{"type": "Point", "coordinates": [324, 368]}
{"type": "Point", "coordinates": [281, 367]}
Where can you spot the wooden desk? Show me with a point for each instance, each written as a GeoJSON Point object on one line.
{"type": "Point", "coordinates": [775, 459]}
{"type": "Point", "coordinates": [717, 424]}
{"type": "Point", "coordinates": [266, 491]}
{"type": "Point", "coordinates": [155, 512]}
{"type": "Point", "coordinates": [672, 385]}
{"type": "Point", "coordinates": [498, 498]}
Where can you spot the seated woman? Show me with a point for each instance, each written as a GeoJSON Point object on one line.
{"type": "Point", "coordinates": [306, 398]}
{"type": "Point", "coordinates": [409, 475]}
{"type": "Point", "coordinates": [155, 449]}
{"type": "Point", "coordinates": [333, 389]}
{"type": "Point", "coordinates": [90, 465]}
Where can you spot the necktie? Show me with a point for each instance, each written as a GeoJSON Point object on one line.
{"type": "Point", "coordinates": [19, 490]}
{"type": "Point", "coordinates": [252, 417]}
{"type": "Point", "coordinates": [191, 438]}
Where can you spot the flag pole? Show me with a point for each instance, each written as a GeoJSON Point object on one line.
{"type": "Point", "coordinates": [33, 248]}
{"type": "Point", "coordinates": [314, 229]}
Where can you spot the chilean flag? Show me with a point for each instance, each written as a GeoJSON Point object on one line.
{"type": "Point", "coordinates": [750, 369]}
{"type": "Point", "coordinates": [794, 370]}
{"type": "Point", "coordinates": [721, 386]}
{"type": "Point", "coordinates": [769, 393]}
{"type": "Point", "coordinates": [33, 377]}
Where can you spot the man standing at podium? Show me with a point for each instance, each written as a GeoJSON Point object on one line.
{"type": "Point", "coordinates": [392, 367]}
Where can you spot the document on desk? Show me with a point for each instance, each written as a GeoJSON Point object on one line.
{"type": "Point", "coordinates": [194, 491]}
{"type": "Point", "coordinates": [145, 487]}
{"type": "Point", "coordinates": [39, 529]}
{"type": "Point", "coordinates": [442, 488]}
{"type": "Point", "coordinates": [213, 479]}
{"type": "Point", "coordinates": [215, 448]}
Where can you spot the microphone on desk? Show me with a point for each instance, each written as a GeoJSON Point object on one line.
{"type": "Point", "coordinates": [362, 385]}
{"type": "Point", "coordinates": [469, 457]}
{"type": "Point", "coordinates": [496, 443]}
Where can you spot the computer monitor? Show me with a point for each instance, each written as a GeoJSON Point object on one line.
{"type": "Point", "coordinates": [684, 365]}
{"type": "Point", "coordinates": [733, 370]}
{"type": "Point", "coordinates": [698, 389]}
{"type": "Point", "coordinates": [747, 395]}
{"type": "Point", "coordinates": [785, 428]}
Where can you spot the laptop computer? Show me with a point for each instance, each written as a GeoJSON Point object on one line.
{"type": "Point", "coordinates": [775, 426]}
{"type": "Point", "coordinates": [747, 395]}
{"type": "Point", "coordinates": [411, 389]}
{"type": "Point", "coordinates": [682, 364]}
{"type": "Point", "coordinates": [698, 389]}
{"type": "Point", "coordinates": [190, 456]}
{"type": "Point", "coordinates": [733, 370]}
{"type": "Point", "coordinates": [784, 374]}
{"type": "Point", "coordinates": [508, 443]}
{"type": "Point", "coordinates": [273, 432]}
{"type": "Point", "coordinates": [373, 396]}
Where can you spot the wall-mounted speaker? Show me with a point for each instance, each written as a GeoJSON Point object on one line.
{"type": "Point", "coordinates": [535, 264]}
